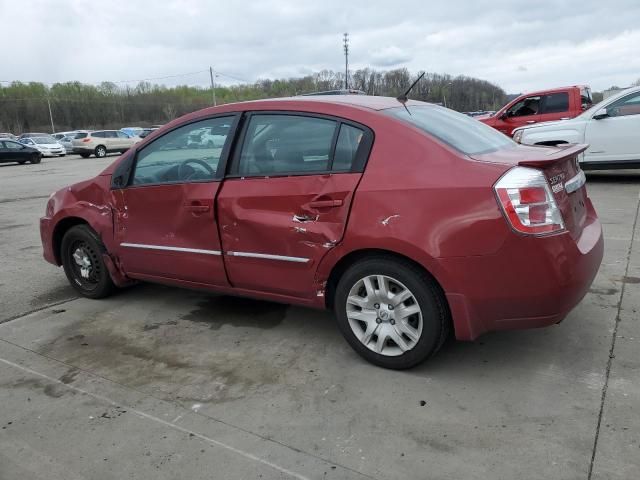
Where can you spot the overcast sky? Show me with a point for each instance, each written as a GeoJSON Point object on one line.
{"type": "Point", "coordinates": [519, 45]}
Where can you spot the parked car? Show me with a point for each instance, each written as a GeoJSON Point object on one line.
{"type": "Point", "coordinates": [33, 134]}
{"type": "Point", "coordinates": [542, 106]}
{"type": "Point", "coordinates": [611, 128]}
{"type": "Point", "coordinates": [407, 220]}
{"type": "Point", "coordinates": [132, 131]}
{"type": "Point", "coordinates": [12, 151]}
{"type": "Point", "coordinates": [61, 135]}
{"type": "Point", "coordinates": [67, 141]}
{"type": "Point", "coordinates": [46, 144]}
{"type": "Point", "coordinates": [8, 135]}
{"type": "Point", "coordinates": [147, 131]}
{"type": "Point", "coordinates": [101, 142]}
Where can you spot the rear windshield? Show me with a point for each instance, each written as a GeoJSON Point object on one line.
{"type": "Point", "coordinates": [463, 133]}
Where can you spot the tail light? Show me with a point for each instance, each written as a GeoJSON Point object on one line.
{"type": "Point", "coordinates": [527, 202]}
{"type": "Point", "coordinates": [86, 140]}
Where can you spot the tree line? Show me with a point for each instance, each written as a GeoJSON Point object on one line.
{"type": "Point", "coordinates": [74, 105]}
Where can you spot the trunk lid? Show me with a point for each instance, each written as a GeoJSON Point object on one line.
{"type": "Point", "coordinates": [562, 170]}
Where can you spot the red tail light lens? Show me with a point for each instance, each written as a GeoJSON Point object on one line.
{"type": "Point", "coordinates": [527, 202]}
{"type": "Point", "coordinates": [86, 140]}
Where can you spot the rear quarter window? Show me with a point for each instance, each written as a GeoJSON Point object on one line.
{"type": "Point", "coordinates": [80, 135]}
{"type": "Point", "coordinates": [459, 131]}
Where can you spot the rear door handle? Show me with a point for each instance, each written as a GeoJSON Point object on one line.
{"type": "Point", "coordinates": [531, 121]}
{"type": "Point", "coordinates": [325, 203]}
{"type": "Point", "coordinates": [197, 207]}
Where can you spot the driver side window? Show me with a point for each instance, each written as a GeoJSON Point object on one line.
{"type": "Point", "coordinates": [187, 154]}
{"type": "Point", "coordinates": [525, 107]}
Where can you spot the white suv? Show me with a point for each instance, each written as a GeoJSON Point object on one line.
{"type": "Point", "coordinates": [611, 128]}
{"type": "Point", "coordinates": [101, 142]}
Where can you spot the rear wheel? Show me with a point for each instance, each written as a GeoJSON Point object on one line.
{"type": "Point", "coordinates": [391, 312]}
{"type": "Point", "coordinates": [84, 155]}
{"type": "Point", "coordinates": [101, 151]}
{"type": "Point", "coordinates": [81, 254]}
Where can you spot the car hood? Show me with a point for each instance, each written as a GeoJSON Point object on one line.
{"type": "Point", "coordinates": [48, 145]}
{"type": "Point", "coordinates": [554, 125]}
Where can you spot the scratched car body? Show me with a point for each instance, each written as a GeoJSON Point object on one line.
{"type": "Point", "coordinates": [409, 221]}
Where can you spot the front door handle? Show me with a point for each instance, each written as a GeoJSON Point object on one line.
{"type": "Point", "coordinates": [325, 203]}
{"type": "Point", "coordinates": [531, 121]}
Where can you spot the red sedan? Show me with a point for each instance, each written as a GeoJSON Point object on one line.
{"type": "Point", "coordinates": [407, 220]}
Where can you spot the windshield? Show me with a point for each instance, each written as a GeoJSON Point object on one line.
{"type": "Point", "coordinates": [463, 133]}
{"type": "Point", "coordinates": [44, 140]}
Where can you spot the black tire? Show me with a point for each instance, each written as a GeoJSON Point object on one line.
{"type": "Point", "coordinates": [97, 283]}
{"type": "Point", "coordinates": [100, 151]}
{"type": "Point", "coordinates": [435, 313]}
{"type": "Point", "coordinates": [21, 162]}
{"type": "Point", "coordinates": [84, 155]}
{"type": "Point", "coordinates": [63, 155]}
{"type": "Point", "coordinates": [35, 159]}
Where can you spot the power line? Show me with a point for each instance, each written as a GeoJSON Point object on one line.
{"type": "Point", "coordinates": [177, 75]}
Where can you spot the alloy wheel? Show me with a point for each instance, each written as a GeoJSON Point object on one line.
{"type": "Point", "coordinates": [384, 315]}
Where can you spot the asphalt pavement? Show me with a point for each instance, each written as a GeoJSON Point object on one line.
{"type": "Point", "coordinates": [162, 383]}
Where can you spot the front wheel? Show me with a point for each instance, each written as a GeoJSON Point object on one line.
{"type": "Point", "coordinates": [391, 312]}
{"type": "Point", "coordinates": [36, 159]}
{"type": "Point", "coordinates": [81, 254]}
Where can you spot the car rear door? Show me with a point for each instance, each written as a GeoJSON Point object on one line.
{"type": "Point", "coordinates": [556, 106]}
{"type": "Point", "coordinates": [166, 224]}
{"type": "Point", "coordinates": [286, 199]}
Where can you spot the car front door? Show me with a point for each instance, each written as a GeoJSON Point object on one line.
{"type": "Point", "coordinates": [524, 112]}
{"type": "Point", "coordinates": [286, 199]}
{"type": "Point", "coordinates": [166, 225]}
{"type": "Point", "coordinates": [615, 137]}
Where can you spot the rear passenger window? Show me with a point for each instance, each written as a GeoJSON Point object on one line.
{"type": "Point", "coordinates": [349, 140]}
{"type": "Point", "coordinates": [556, 102]}
{"type": "Point", "coordinates": [286, 144]}
{"type": "Point", "coordinates": [98, 134]}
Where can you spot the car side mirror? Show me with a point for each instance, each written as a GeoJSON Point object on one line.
{"type": "Point", "coordinates": [601, 114]}
{"type": "Point", "coordinates": [504, 115]}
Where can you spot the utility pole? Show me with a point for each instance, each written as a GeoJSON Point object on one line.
{"type": "Point", "coordinates": [345, 40]}
{"type": "Point", "coordinates": [53, 130]}
{"type": "Point", "coordinates": [213, 86]}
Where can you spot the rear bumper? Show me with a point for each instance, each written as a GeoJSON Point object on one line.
{"type": "Point", "coordinates": [531, 282]}
{"type": "Point", "coordinates": [46, 236]}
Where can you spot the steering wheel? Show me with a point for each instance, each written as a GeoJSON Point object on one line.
{"type": "Point", "coordinates": [183, 175]}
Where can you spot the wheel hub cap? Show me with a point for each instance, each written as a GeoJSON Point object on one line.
{"type": "Point", "coordinates": [83, 261]}
{"type": "Point", "coordinates": [384, 315]}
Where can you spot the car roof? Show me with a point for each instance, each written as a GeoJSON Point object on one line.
{"type": "Point", "coordinates": [551, 90]}
{"type": "Point", "coordinates": [364, 101]}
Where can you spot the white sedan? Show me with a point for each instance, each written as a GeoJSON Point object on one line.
{"type": "Point", "coordinates": [46, 144]}
{"type": "Point", "coordinates": [611, 128]}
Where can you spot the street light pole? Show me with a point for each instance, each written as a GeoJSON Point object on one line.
{"type": "Point", "coordinates": [346, 60]}
{"type": "Point", "coordinates": [53, 130]}
{"type": "Point", "coordinates": [213, 86]}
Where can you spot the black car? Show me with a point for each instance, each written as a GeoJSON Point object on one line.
{"type": "Point", "coordinates": [11, 151]}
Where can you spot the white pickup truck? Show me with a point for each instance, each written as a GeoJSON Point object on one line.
{"type": "Point", "coordinates": [611, 128]}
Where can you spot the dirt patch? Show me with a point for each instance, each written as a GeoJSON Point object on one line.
{"type": "Point", "coordinates": [603, 291]}
{"type": "Point", "coordinates": [239, 312]}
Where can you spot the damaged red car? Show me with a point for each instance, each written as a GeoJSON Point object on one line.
{"type": "Point", "coordinates": [408, 220]}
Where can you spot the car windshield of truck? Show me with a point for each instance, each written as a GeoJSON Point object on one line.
{"type": "Point", "coordinates": [461, 132]}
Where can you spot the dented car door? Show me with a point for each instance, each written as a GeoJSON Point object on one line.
{"type": "Point", "coordinates": [166, 225]}
{"type": "Point", "coordinates": [286, 200]}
